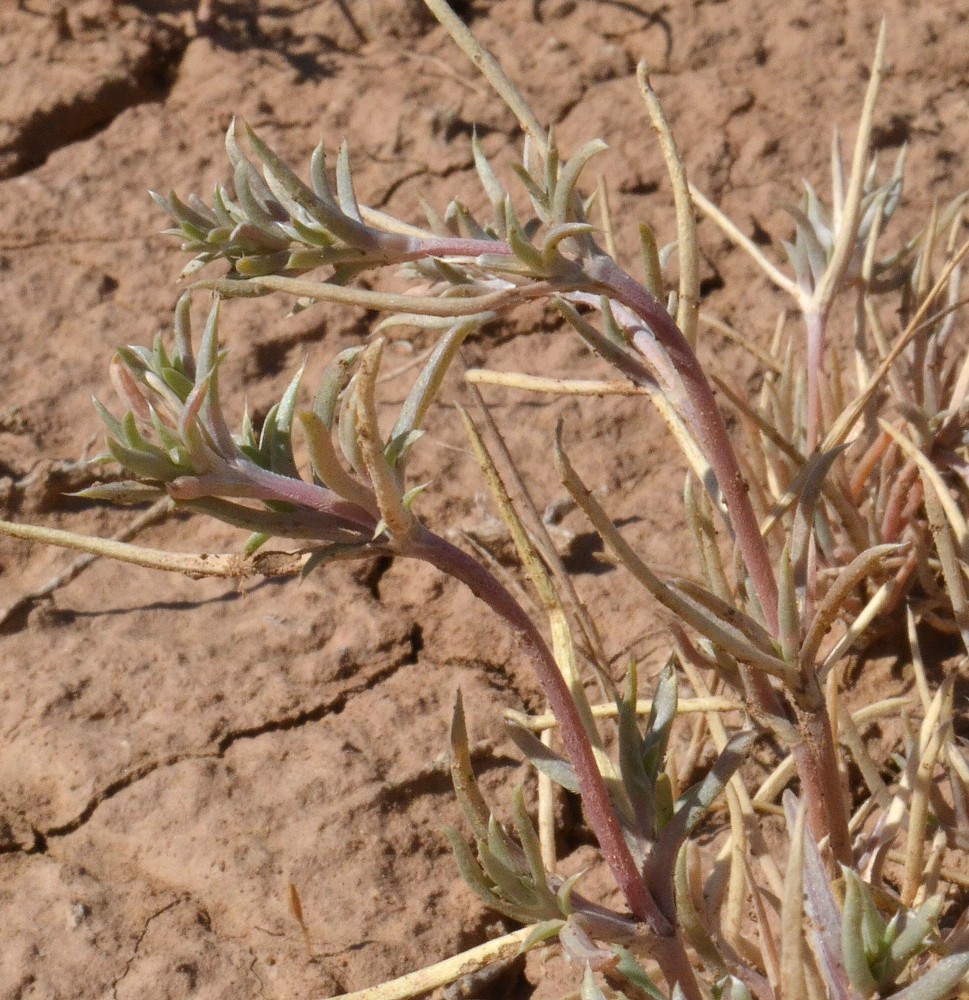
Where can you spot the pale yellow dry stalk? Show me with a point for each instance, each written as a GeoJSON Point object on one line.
{"type": "Point", "coordinates": [227, 566]}
{"type": "Point", "coordinates": [442, 973]}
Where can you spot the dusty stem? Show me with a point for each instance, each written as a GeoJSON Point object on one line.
{"type": "Point", "coordinates": [442, 973]}
{"type": "Point", "coordinates": [817, 766]}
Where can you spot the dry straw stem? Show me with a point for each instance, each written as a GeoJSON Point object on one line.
{"type": "Point", "coordinates": [489, 68]}
{"type": "Point", "coordinates": [562, 644]}
{"type": "Point", "coordinates": [732, 639]}
{"type": "Point", "coordinates": [608, 230]}
{"type": "Point", "coordinates": [527, 542]}
{"type": "Point", "coordinates": [158, 511]}
{"type": "Point", "coordinates": [554, 386]}
{"type": "Point", "coordinates": [770, 363]}
{"type": "Point", "coordinates": [736, 849]}
{"type": "Point", "coordinates": [448, 971]}
{"type": "Point", "coordinates": [784, 772]}
{"type": "Point", "coordinates": [934, 734]}
{"type": "Point", "coordinates": [539, 535]}
{"type": "Point", "coordinates": [830, 282]}
{"type": "Point", "coordinates": [448, 308]}
{"type": "Point", "coordinates": [875, 606]}
{"type": "Point", "coordinates": [228, 566]}
{"type": "Point", "coordinates": [932, 478]}
{"type": "Point", "coordinates": [952, 875]}
{"type": "Point", "coordinates": [818, 300]}
{"type": "Point", "coordinates": [546, 811]}
{"type": "Point", "coordinates": [923, 317]}
{"type": "Point", "coordinates": [815, 302]}
{"type": "Point", "coordinates": [729, 228]}
{"type": "Point", "coordinates": [684, 706]}
{"type": "Point", "coordinates": [707, 421]}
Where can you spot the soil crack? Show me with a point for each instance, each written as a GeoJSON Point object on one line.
{"type": "Point", "coordinates": [319, 712]}
{"type": "Point", "coordinates": [170, 905]}
{"type": "Point", "coordinates": [126, 780]}
{"type": "Point", "coordinates": [331, 707]}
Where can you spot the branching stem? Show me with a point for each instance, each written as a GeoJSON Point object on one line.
{"type": "Point", "coordinates": [815, 755]}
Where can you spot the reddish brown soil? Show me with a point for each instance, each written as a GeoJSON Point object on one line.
{"type": "Point", "coordinates": [173, 754]}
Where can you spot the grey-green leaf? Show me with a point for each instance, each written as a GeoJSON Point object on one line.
{"type": "Point", "coordinates": [543, 758]}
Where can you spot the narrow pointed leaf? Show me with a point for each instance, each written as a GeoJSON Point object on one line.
{"type": "Point", "coordinates": [508, 884]}
{"type": "Point", "coordinates": [280, 445]}
{"type": "Point", "coordinates": [335, 379]}
{"type": "Point", "coordinates": [386, 483]}
{"type": "Point", "coordinates": [629, 968]}
{"type": "Point", "coordinates": [128, 491]}
{"type": "Point", "coordinates": [916, 929]}
{"type": "Point", "coordinates": [473, 805]}
{"type": "Point", "coordinates": [821, 908]}
{"type": "Point", "coordinates": [428, 384]}
{"type": "Point", "coordinates": [542, 932]}
{"type": "Point", "coordinates": [636, 779]}
{"type": "Point", "coordinates": [662, 714]}
{"type": "Point", "coordinates": [543, 758]}
{"type": "Point", "coordinates": [833, 602]}
{"type": "Point", "coordinates": [590, 988]}
{"type": "Point", "coordinates": [528, 838]}
{"type": "Point", "coordinates": [344, 184]}
{"type": "Point", "coordinates": [559, 233]}
{"type": "Point", "coordinates": [939, 982]}
{"type": "Point", "coordinates": [693, 805]}
{"type": "Point", "coordinates": [470, 870]}
{"type": "Point", "coordinates": [347, 429]}
{"type": "Point", "coordinates": [568, 177]}
{"type": "Point", "coordinates": [489, 179]}
{"type": "Point", "coordinates": [144, 465]}
{"type": "Point", "coordinates": [652, 269]}
{"type": "Point", "coordinates": [327, 466]}
{"type": "Point", "coordinates": [788, 612]}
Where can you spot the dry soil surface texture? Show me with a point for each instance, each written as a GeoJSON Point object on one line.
{"type": "Point", "coordinates": [174, 754]}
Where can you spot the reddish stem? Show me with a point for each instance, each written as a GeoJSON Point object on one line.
{"type": "Point", "coordinates": [901, 505]}
{"type": "Point", "coordinates": [672, 958]}
{"type": "Point", "coordinates": [707, 419]}
{"type": "Point", "coordinates": [602, 818]}
{"type": "Point", "coordinates": [707, 423]}
{"type": "Point", "coordinates": [816, 760]}
{"type": "Point", "coordinates": [815, 755]}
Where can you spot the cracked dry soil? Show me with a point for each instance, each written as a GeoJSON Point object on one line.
{"type": "Point", "coordinates": [175, 753]}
